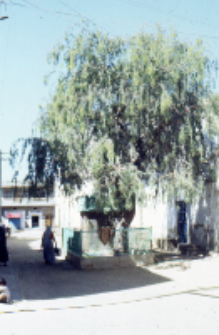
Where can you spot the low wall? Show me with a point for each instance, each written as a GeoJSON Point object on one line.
{"type": "Point", "coordinates": [202, 236]}
{"type": "Point", "coordinates": [102, 262]}
{"type": "Point", "coordinates": [166, 244]}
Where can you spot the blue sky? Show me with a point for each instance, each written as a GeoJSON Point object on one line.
{"type": "Point", "coordinates": [35, 26]}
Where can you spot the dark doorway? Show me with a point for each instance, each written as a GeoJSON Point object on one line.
{"type": "Point", "coordinates": [182, 224]}
{"type": "Point", "coordinates": [35, 221]}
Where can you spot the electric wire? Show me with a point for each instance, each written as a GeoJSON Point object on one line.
{"type": "Point", "coordinates": [77, 13]}
{"type": "Point", "coordinates": [91, 21]}
{"type": "Point", "coordinates": [161, 11]}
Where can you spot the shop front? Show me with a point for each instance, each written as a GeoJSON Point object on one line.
{"type": "Point", "coordinates": [15, 219]}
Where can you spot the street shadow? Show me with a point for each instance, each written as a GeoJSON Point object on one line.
{"type": "Point", "coordinates": [39, 281]}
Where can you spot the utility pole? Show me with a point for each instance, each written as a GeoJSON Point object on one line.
{"type": "Point", "coordinates": [1, 159]}
{"type": "Point", "coordinates": [1, 19]}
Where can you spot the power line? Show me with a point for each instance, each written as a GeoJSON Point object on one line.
{"type": "Point", "coordinates": [130, 2]}
{"type": "Point", "coordinates": [81, 15]}
{"type": "Point", "coordinates": [175, 7]}
{"type": "Point", "coordinates": [89, 20]}
{"type": "Point", "coordinates": [160, 11]}
{"type": "Point", "coordinates": [16, 4]}
{"type": "Point", "coordinates": [59, 12]}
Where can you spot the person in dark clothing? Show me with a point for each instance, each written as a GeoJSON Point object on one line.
{"type": "Point", "coordinates": [3, 246]}
{"type": "Point", "coordinates": [48, 248]}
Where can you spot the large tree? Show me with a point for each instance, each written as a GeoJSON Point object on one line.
{"type": "Point", "coordinates": [126, 113]}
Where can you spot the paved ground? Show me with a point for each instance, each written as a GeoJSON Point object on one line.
{"type": "Point", "coordinates": [169, 298]}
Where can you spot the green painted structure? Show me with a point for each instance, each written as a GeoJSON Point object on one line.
{"type": "Point", "coordinates": [129, 241]}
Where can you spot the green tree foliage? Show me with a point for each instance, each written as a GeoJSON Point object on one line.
{"type": "Point", "coordinates": [125, 114]}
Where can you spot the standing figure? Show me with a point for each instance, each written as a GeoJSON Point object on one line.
{"type": "Point", "coordinates": [3, 246]}
{"type": "Point", "coordinates": [4, 291]}
{"type": "Point", "coordinates": [48, 247]}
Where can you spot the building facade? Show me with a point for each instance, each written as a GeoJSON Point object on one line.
{"type": "Point", "coordinates": [178, 222]}
{"type": "Point", "coordinates": [20, 212]}
{"type": "Point", "coordinates": [181, 222]}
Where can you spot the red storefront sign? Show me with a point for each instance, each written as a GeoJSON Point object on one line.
{"type": "Point", "coordinates": [14, 215]}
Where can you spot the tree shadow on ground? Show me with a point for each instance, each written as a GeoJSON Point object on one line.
{"type": "Point", "coordinates": [39, 281]}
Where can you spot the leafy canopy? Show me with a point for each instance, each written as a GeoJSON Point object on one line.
{"type": "Point", "coordinates": [125, 114]}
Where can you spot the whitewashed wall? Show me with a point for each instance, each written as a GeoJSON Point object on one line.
{"type": "Point", "coordinates": [202, 216]}
{"type": "Point", "coordinates": [158, 215]}
{"type": "Point", "coordinates": [163, 218]}
{"type": "Point", "coordinates": [66, 210]}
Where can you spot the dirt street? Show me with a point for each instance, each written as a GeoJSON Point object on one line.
{"type": "Point", "coordinates": [168, 298]}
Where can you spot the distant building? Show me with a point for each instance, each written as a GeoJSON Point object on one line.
{"type": "Point", "coordinates": [21, 211]}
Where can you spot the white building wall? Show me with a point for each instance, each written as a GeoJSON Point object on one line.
{"type": "Point", "coordinates": [67, 214]}
{"type": "Point", "coordinates": [201, 218]}
{"type": "Point", "coordinates": [158, 215]}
